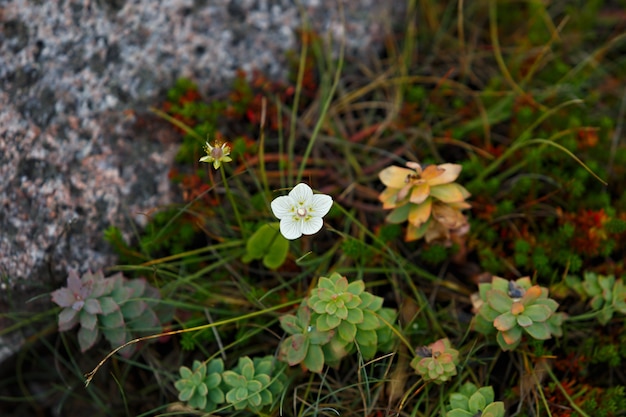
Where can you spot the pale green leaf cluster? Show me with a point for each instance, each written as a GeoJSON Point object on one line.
{"type": "Point", "coordinates": [253, 384]}
{"type": "Point", "coordinates": [437, 362]}
{"type": "Point", "coordinates": [514, 308]}
{"type": "Point", "coordinates": [118, 308]}
{"type": "Point", "coordinates": [606, 294]}
{"type": "Point", "coordinates": [337, 318]}
{"type": "Point", "coordinates": [200, 387]}
{"type": "Point", "coordinates": [472, 401]}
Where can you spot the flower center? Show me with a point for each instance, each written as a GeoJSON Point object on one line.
{"type": "Point", "coordinates": [217, 153]}
{"type": "Point", "coordinates": [301, 212]}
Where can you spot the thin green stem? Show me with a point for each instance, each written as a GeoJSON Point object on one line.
{"type": "Point", "coordinates": [176, 123]}
{"type": "Point", "coordinates": [325, 106]}
{"type": "Point", "coordinates": [89, 375]}
{"type": "Point", "coordinates": [291, 141]}
{"type": "Point", "coordinates": [565, 394]}
{"type": "Point", "coordinates": [232, 202]}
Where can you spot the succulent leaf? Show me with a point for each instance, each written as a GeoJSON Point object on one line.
{"type": "Point", "coordinates": [87, 338]}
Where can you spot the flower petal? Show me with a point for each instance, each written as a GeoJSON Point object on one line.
{"type": "Point", "coordinates": [320, 205]}
{"type": "Point", "coordinates": [290, 228]}
{"type": "Point", "coordinates": [283, 207]}
{"type": "Point", "coordinates": [395, 177]}
{"type": "Point", "coordinates": [310, 226]}
{"type": "Point", "coordinates": [451, 173]}
{"type": "Point", "coordinates": [301, 194]}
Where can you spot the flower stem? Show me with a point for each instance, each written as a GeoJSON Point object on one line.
{"type": "Point", "coordinates": [232, 201]}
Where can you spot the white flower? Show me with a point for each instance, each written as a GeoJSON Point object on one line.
{"type": "Point", "coordinates": [301, 211]}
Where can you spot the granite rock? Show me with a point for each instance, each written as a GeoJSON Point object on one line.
{"type": "Point", "coordinates": [73, 160]}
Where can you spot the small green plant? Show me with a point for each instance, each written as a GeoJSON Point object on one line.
{"type": "Point", "coordinates": [251, 384]}
{"type": "Point", "coordinates": [512, 308]}
{"type": "Point", "coordinates": [472, 401]}
{"type": "Point", "coordinates": [337, 318]}
{"type": "Point", "coordinates": [304, 345]}
{"type": "Point", "coordinates": [337, 305]}
{"type": "Point", "coordinates": [437, 362]}
{"type": "Point", "coordinates": [115, 306]}
{"type": "Point", "coordinates": [607, 294]}
{"type": "Point", "coordinates": [200, 386]}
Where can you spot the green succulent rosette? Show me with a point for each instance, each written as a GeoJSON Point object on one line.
{"type": "Point", "coordinates": [514, 308]}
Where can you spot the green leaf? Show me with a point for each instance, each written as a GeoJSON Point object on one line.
{"type": "Point", "coordinates": [356, 288]}
{"type": "Point", "coordinates": [510, 339]}
{"type": "Point", "coordinates": [355, 316]}
{"type": "Point", "coordinates": [524, 320]}
{"type": "Point", "coordinates": [539, 331]}
{"type": "Point", "coordinates": [231, 378]}
{"type": "Point", "coordinates": [494, 410]}
{"type": "Point", "coordinates": [459, 413]}
{"type": "Point", "coordinates": [246, 367]}
{"type": "Point", "coordinates": [134, 308]}
{"type": "Point", "coordinates": [326, 322]}
{"type": "Point", "coordinates": [500, 284]}
{"type": "Point", "coordinates": [499, 301]}
{"type": "Point", "coordinates": [505, 322]}
{"type": "Point", "coordinates": [108, 305]}
{"type": "Point", "coordinates": [290, 324]}
{"type": "Point", "coordinates": [476, 402]}
{"type": "Point", "coordinates": [137, 285]}
{"type": "Point", "coordinates": [87, 338]}
{"type": "Point", "coordinates": [68, 317]}
{"type": "Point", "coordinates": [186, 393]}
{"type": "Point", "coordinates": [537, 313]}
{"type": "Point", "coordinates": [346, 331]}
{"type": "Point", "coordinates": [185, 372]}
{"type": "Point", "coordinates": [268, 244]}
{"type": "Point", "coordinates": [295, 347]}
{"type": "Point", "coordinates": [399, 214]}
{"type": "Point", "coordinates": [314, 360]}
{"type": "Point", "coordinates": [320, 338]}
{"type": "Point", "coordinates": [198, 401]}
{"type": "Point", "coordinates": [366, 337]}
{"type": "Point", "coordinates": [113, 320]}
{"type": "Point", "coordinates": [116, 336]}
{"type": "Point", "coordinates": [202, 389]}
{"type": "Point", "coordinates": [370, 321]}
{"type": "Point", "coordinates": [487, 392]}
{"type": "Point", "coordinates": [459, 401]}
{"type": "Point", "coordinates": [93, 306]}
{"type": "Point", "coordinates": [216, 396]}
{"type": "Point", "coordinates": [87, 320]}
